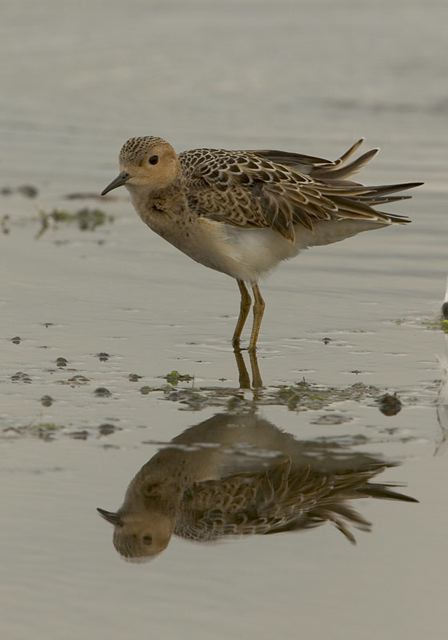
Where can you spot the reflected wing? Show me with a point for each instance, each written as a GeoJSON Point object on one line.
{"type": "Point", "coordinates": [280, 498]}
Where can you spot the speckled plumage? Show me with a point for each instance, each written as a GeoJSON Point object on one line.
{"type": "Point", "coordinates": [243, 212]}
{"type": "Point", "coordinates": [278, 190]}
{"type": "Point", "coordinates": [201, 487]}
{"type": "Point", "coordinates": [280, 498]}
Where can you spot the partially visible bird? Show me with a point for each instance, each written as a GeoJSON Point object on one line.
{"type": "Point", "coordinates": [242, 212]}
{"type": "Point", "coordinates": [445, 304]}
{"type": "Point", "coordinates": [202, 487]}
{"type": "Point", "coordinates": [442, 400]}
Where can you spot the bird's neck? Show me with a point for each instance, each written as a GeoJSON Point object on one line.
{"type": "Point", "coordinates": [159, 208]}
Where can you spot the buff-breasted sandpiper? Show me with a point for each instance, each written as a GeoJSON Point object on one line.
{"type": "Point", "coordinates": [242, 212]}
{"type": "Point", "coordinates": [236, 475]}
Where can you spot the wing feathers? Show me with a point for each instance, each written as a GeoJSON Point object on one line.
{"type": "Point", "coordinates": [283, 190]}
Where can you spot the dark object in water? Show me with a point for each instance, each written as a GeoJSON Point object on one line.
{"type": "Point", "coordinates": [390, 404]}
{"type": "Point", "coordinates": [28, 190]}
{"type": "Point", "coordinates": [102, 392]}
{"type": "Point", "coordinates": [46, 401]}
{"type": "Point", "coordinates": [445, 310]}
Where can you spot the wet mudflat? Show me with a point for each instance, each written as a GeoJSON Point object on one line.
{"type": "Point", "coordinates": [113, 344]}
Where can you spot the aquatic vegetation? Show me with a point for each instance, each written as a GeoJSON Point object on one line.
{"type": "Point", "coordinates": [174, 377]}
{"type": "Point", "coordinates": [439, 324]}
{"type": "Point", "coordinates": [301, 396]}
{"type": "Point", "coordinates": [42, 430]}
{"type": "Point", "coordinates": [86, 219]}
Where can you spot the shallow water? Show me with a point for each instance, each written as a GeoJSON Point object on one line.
{"type": "Point", "coordinates": [77, 79]}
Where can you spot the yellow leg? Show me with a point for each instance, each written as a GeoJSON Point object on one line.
{"type": "Point", "coordinates": [244, 380]}
{"type": "Point", "coordinates": [259, 306]}
{"type": "Point", "coordinates": [244, 311]}
{"type": "Point", "coordinates": [257, 382]}
{"type": "Point", "coordinates": [243, 375]}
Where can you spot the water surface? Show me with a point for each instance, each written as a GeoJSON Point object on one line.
{"type": "Point", "coordinates": [77, 80]}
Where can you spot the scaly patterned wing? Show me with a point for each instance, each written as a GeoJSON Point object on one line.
{"type": "Point", "coordinates": [278, 499]}
{"type": "Point", "coordinates": [280, 189]}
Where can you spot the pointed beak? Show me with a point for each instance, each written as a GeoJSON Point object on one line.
{"type": "Point", "coordinates": [110, 516]}
{"type": "Point", "coordinates": [119, 181]}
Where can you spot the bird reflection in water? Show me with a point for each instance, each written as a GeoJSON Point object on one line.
{"type": "Point", "coordinates": [235, 475]}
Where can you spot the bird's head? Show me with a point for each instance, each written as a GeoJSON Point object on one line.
{"type": "Point", "coordinates": [139, 536]}
{"type": "Point", "coordinates": [146, 163]}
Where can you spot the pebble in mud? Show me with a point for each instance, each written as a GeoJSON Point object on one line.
{"type": "Point", "coordinates": [103, 357]}
{"type": "Point", "coordinates": [106, 429]}
{"type": "Point", "coordinates": [16, 340]}
{"type": "Point", "coordinates": [61, 362]}
{"type": "Point", "coordinates": [4, 226]}
{"type": "Point", "coordinates": [46, 401]}
{"type": "Point", "coordinates": [390, 404]}
{"type": "Point", "coordinates": [134, 377]}
{"type": "Point", "coordinates": [78, 435]}
{"type": "Point", "coordinates": [21, 377]}
{"type": "Point", "coordinates": [145, 390]}
{"type": "Point", "coordinates": [76, 381]}
{"type": "Point", "coordinates": [28, 190]}
{"type": "Point", "coordinates": [102, 392]}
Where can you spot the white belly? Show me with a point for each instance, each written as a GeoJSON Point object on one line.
{"type": "Point", "coordinates": [244, 254]}
{"type": "Point", "coordinates": [248, 254]}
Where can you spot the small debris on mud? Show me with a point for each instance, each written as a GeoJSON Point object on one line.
{"type": "Point", "coordinates": [27, 190]}
{"type": "Point", "coordinates": [106, 429]}
{"type": "Point", "coordinates": [102, 356]}
{"type": "Point", "coordinates": [75, 381]}
{"type": "Point", "coordinates": [61, 362]}
{"type": "Point", "coordinates": [4, 226]}
{"type": "Point", "coordinates": [21, 377]}
{"type": "Point", "coordinates": [16, 340]}
{"type": "Point", "coordinates": [86, 219]}
{"type": "Point", "coordinates": [102, 392]}
{"type": "Point", "coordinates": [174, 377]}
{"type": "Point", "coordinates": [390, 404]}
{"type": "Point", "coordinates": [134, 377]}
{"type": "Point", "coordinates": [42, 430]}
{"type": "Point", "coordinates": [78, 435]}
{"type": "Point", "coordinates": [145, 390]}
{"type": "Point", "coordinates": [46, 401]}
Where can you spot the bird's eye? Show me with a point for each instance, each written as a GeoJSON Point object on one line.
{"type": "Point", "coordinates": [153, 159]}
{"type": "Point", "coordinates": [147, 539]}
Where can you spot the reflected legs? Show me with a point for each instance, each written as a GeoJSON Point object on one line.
{"type": "Point", "coordinates": [244, 311]}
